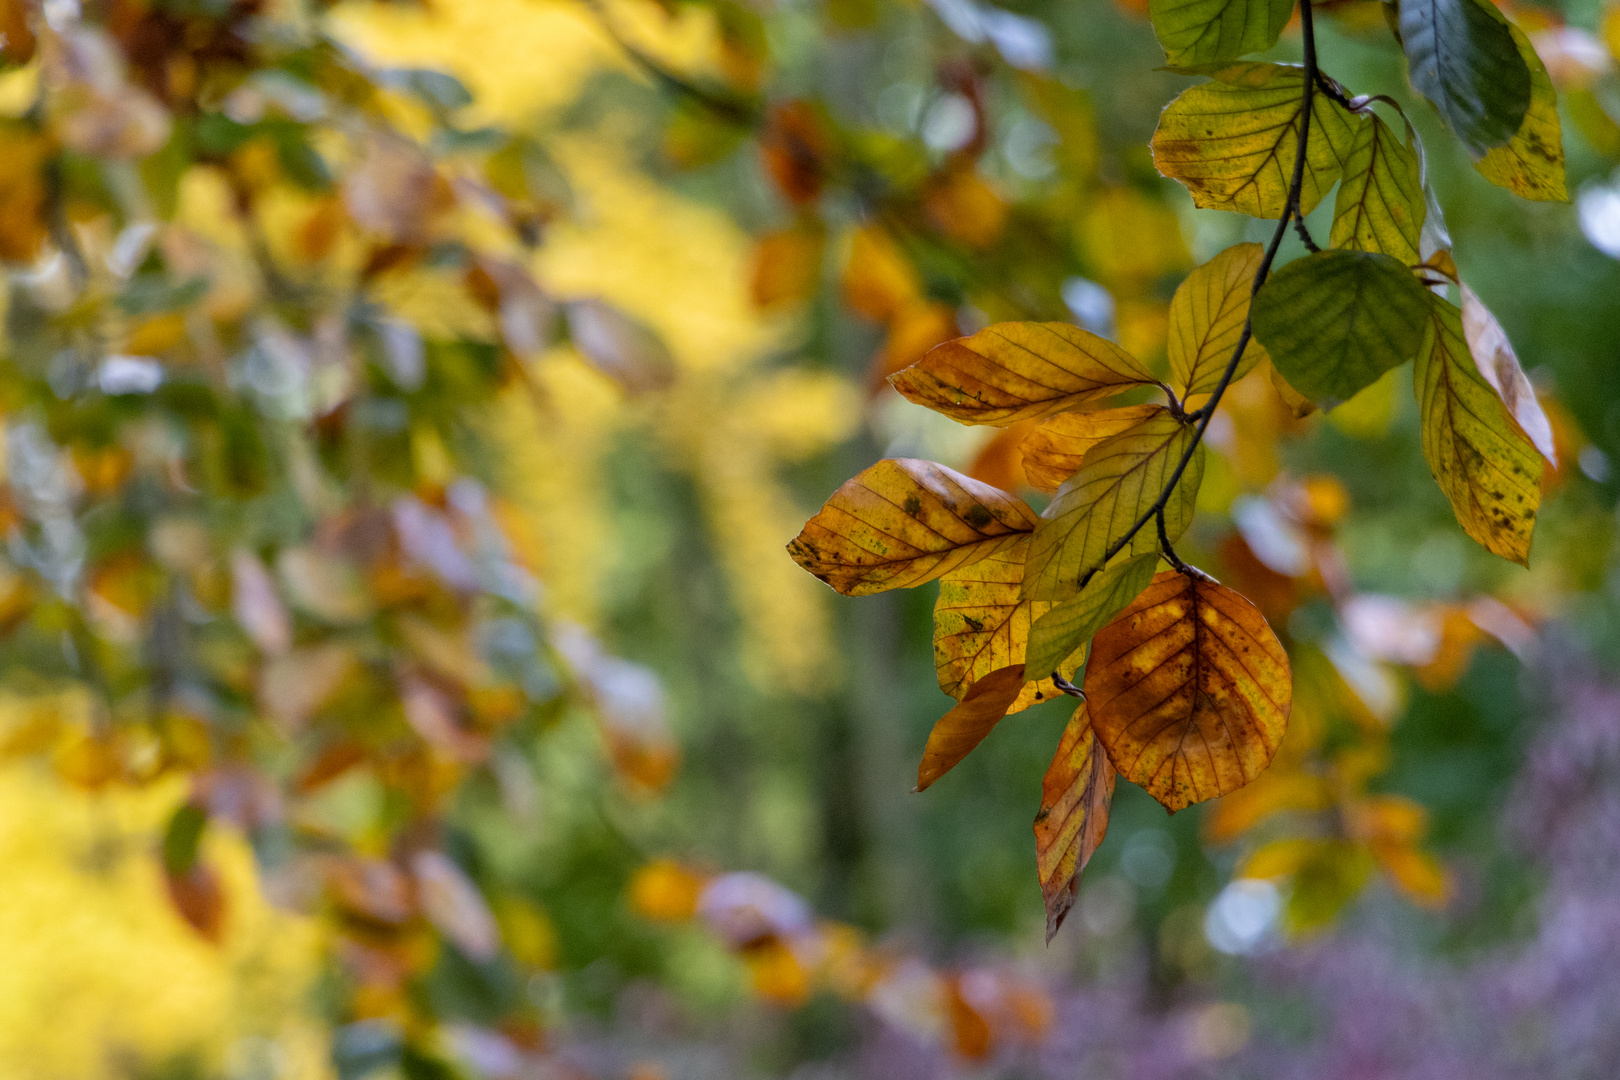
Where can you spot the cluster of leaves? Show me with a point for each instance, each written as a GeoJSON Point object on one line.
{"type": "Point", "coordinates": [1186, 689]}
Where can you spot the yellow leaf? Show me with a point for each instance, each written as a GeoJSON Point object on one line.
{"type": "Point", "coordinates": [1531, 165]}
{"type": "Point", "coordinates": [665, 891]}
{"type": "Point", "coordinates": [1118, 482]}
{"type": "Point", "coordinates": [1232, 141]}
{"type": "Point", "coordinates": [1242, 810]}
{"type": "Point", "coordinates": [957, 732]}
{"type": "Point", "coordinates": [1380, 206]}
{"type": "Point", "coordinates": [22, 193]}
{"type": "Point", "coordinates": [982, 625]}
{"type": "Point", "coordinates": [776, 973]}
{"type": "Point", "coordinates": [1494, 356]}
{"type": "Point", "coordinates": [1054, 450]}
{"type": "Point", "coordinates": [1019, 371]}
{"type": "Point", "coordinates": [1076, 794]}
{"type": "Point", "coordinates": [1416, 873]}
{"type": "Point", "coordinates": [1189, 690]}
{"type": "Point", "coordinates": [1279, 858]}
{"type": "Point", "coordinates": [904, 522]}
{"type": "Point", "coordinates": [787, 266]}
{"type": "Point", "coordinates": [1207, 317]}
{"type": "Point", "coordinates": [966, 208]}
{"type": "Point", "coordinates": [878, 281]}
{"type": "Point", "coordinates": [1487, 468]}
{"type": "Point", "coordinates": [1131, 239]}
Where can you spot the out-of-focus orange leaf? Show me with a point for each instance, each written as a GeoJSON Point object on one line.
{"type": "Point", "coordinates": [1459, 635]}
{"type": "Point", "coordinates": [776, 973]}
{"type": "Point", "coordinates": [971, 1036]}
{"type": "Point", "coordinates": [1416, 873]}
{"type": "Point", "coordinates": [787, 265]}
{"type": "Point", "coordinates": [1054, 450]}
{"type": "Point", "coordinates": [878, 280]}
{"type": "Point", "coordinates": [199, 898]}
{"type": "Point", "coordinates": [1076, 794]}
{"type": "Point", "coordinates": [1276, 595]}
{"type": "Point", "coordinates": [16, 35]}
{"type": "Point", "coordinates": [913, 330]}
{"type": "Point", "coordinates": [966, 208]}
{"type": "Point", "coordinates": [1189, 690]}
{"type": "Point", "coordinates": [1279, 858]}
{"type": "Point", "coordinates": [1000, 461]}
{"type": "Point", "coordinates": [89, 761]}
{"type": "Point", "coordinates": [904, 522]}
{"type": "Point", "coordinates": [630, 707]}
{"type": "Point", "coordinates": [1019, 371]}
{"type": "Point", "coordinates": [1272, 793]}
{"type": "Point", "coordinates": [957, 732]}
{"type": "Point", "coordinates": [665, 891]}
{"type": "Point", "coordinates": [981, 624]}
{"type": "Point", "coordinates": [796, 148]}
{"type": "Point", "coordinates": [156, 335]}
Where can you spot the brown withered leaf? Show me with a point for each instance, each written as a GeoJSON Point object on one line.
{"type": "Point", "coordinates": [1019, 371]}
{"type": "Point", "coordinates": [1499, 364]}
{"type": "Point", "coordinates": [1076, 794]}
{"type": "Point", "coordinates": [903, 522]}
{"type": "Point", "coordinates": [1053, 451]}
{"type": "Point", "coordinates": [982, 625]}
{"type": "Point", "coordinates": [957, 732]}
{"type": "Point", "coordinates": [199, 898]}
{"type": "Point", "coordinates": [1189, 690]}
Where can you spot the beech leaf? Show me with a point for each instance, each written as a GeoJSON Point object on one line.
{"type": "Point", "coordinates": [1053, 451]}
{"type": "Point", "coordinates": [1486, 466]}
{"type": "Point", "coordinates": [1462, 57]}
{"type": "Point", "coordinates": [1206, 319]}
{"type": "Point", "coordinates": [1197, 31]}
{"type": "Point", "coordinates": [1531, 165]}
{"type": "Point", "coordinates": [904, 522]}
{"type": "Point", "coordinates": [1232, 142]}
{"type": "Point", "coordinates": [1076, 795]}
{"type": "Point", "coordinates": [1058, 633]}
{"type": "Point", "coordinates": [1119, 481]}
{"type": "Point", "coordinates": [1499, 364]}
{"type": "Point", "coordinates": [1335, 321]}
{"type": "Point", "coordinates": [1189, 690]}
{"type": "Point", "coordinates": [1019, 371]}
{"type": "Point", "coordinates": [957, 732]}
{"type": "Point", "coordinates": [1380, 206]}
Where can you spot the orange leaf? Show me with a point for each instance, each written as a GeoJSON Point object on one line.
{"type": "Point", "coordinates": [1019, 371]}
{"type": "Point", "coordinates": [903, 522]}
{"type": "Point", "coordinates": [1054, 450]}
{"type": "Point", "coordinates": [957, 732]}
{"type": "Point", "coordinates": [199, 898]}
{"type": "Point", "coordinates": [1076, 795]}
{"type": "Point", "coordinates": [878, 281]}
{"type": "Point", "coordinates": [1189, 690]}
{"type": "Point", "coordinates": [787, 266]}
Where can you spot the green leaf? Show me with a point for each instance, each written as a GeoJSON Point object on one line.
{"type": "Point", "coordinates": [1462, 57]}
{"type": "Point", "coordinates": [1380, 205]}
{"type": "Point", "coordinates": [1531, 165]}
{"type": "Point", "coordinates": [1337, 320]}
{"type": "Point", "coordinates": [1207, 316]}
{"type": "Point", "coordinates": [183, 836]}
{"type": "Point", "coordinates": [1119, 480]}
{"type": "Point", "coordinates": [1198, 31]}
{"type": "Point", "coordinates": [1056, 635]}
{"type": "Point", "coordinates": [1486, 466]}
{"type": "Point", "coordinates": [1232, 142]}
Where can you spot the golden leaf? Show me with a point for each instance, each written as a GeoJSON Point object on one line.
{"type": "Point", "coordinates": [1054, 450]}
{"type": "Point", "coordinates": [1207, 317]}
{"type": "Point", "coordinates": [1076, 794]}
{"type": "Point", "coordinates": [1119, 481]}
{"type": "Point", "coordinates": [903, 522]}
{"type": "Point", "coordinates": [786, 266]}
{"type": "Point", "coordinates": [957, 732]}
{"type": "Point", "coordinates": [1189, 690]}
{"type": "Point", "coordinates": [1019, 371]}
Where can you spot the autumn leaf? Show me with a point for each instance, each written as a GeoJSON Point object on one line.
{"type": "Point", "coordinates": [957, 732]}
{"type": "Point", "coordinates": [1462, 57]}
{"type": "Point", "coordinates": [786, 266]}
{"type": "Point", "coordinates": [1076, 794]}
{"type": "Point", "coordinates": [1054, 450]}
{"type": "Point", "coordinates": [1120, 480]}
{"type": "Point", "coordinates": [1019, 371]}
{"type": "Point", "coordinates": [1380, 205]}
{"type": "Point", "coordinates": [1335, 321]}
{"type": "Point", "coordinates": [1056, 635]}
{"type": "Point", "coordinates": [1531, 165]}
{"type": "Point", "coordinates": [1488, 469]}
{"type": "Point", "coordinates": [1198, 31]}
{"type": "Point", "coordinates": [903, 522]}
{"type": "Point", "coordinates": [1207, 317]}
{"type": "Point", "coordinates": [1499, 365]}
{"type": "Point", "coordinates": [1189, 690]}
{"type": "Point", "coordinates": [1232, 141]}
{"type": "Point", "coordinates": [982, 624]}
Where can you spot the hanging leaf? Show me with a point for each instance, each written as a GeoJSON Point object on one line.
{"type": "Point", "coordinates": [1380, 204]}
{"type": "Point", "coordinates": [903, 522]}
{"type": "Point", "coordinates": [1119, 481]}
{"type": "Point", "coordinates": [1076, 795]}
{"type": "Point", "coordinates": [1066, 628]}
{"type": "Point", "coordinates": [1054, 450]}
{"type": "Point", "coordinates": [1488, 469]}
{"type": "Point", "coordinates": [1232, 142]}
{"type": "Point", "coordinates": [1207, 317]}
{"type": "Point", "coordinates": [981, 624]}
{"type": "Point", "coordinates": [1499, 364]}
{"type": "Point", "coordinates": [1019, 371]}
{"type": "Point", "coordinates": [1531, 165]}
{"type": "Point", "coordinates": [1337, 320]}
{"type": "Point", "coordinates": [1189, 690]}
{"type": "Point", "coordinates": [957, 732]}
{"type": "Point", "coordinates": [1462, 57]}
{"type": "Point", "coordinates": [1198, 31]}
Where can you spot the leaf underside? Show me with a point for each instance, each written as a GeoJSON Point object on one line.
{"type": "Point", "coordinates": [1076, 795]}
{"type": "Point", "coordinates": [1531, 165]}
{"type": "Point", "coordinates": [957, 732]}
{"type": "Point", "coordinates": [1462, 57]}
